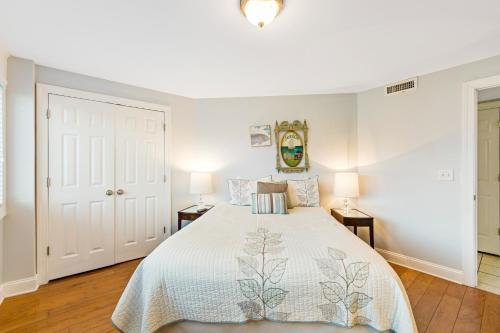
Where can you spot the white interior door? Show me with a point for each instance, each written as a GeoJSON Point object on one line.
{"type": "Point", "coordinates": [141, 208]}
{"type": "Point", "coordinates": [488, 205]}
{"type": "Point", "coordinates": [81, 170]}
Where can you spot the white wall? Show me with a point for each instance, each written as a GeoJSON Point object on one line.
{"type": "Point", "coordinates": [403, 141]}
{"type": "Point", "coordinates": [489, 94]}
{"type": "Point", "coordinates": [3, 78]}
{"type": "Point", "coordinates": [19, 224]}
{"type": "Point", "coordinates": [222, 140]}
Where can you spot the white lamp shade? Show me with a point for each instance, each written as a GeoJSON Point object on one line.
{"type": "Point", "coordinates": [201, 183]}
{"type": "Point", "coordinates": [346, 185]}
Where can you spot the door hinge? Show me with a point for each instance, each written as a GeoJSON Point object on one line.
{"type": "Point", "coordinates": [47, 114]}
{"type": "Point", "coordinates": [48, 181]}
{"type": "Point", "coordinates": [164, 178]}
{"type": "Point", "coordinates": [164, 230]}
{"type": "Point", "coordinates": [164, 127]}
{"type": "Point", "coordinates": [48, 251]}
{"type": "Point", "coordinates": [474, 197]}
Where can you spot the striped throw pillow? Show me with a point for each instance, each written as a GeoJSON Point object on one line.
{"type": "Point", "coordinates": [269, 203]}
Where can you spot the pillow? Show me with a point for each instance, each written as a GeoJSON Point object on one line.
{"type": "Point", "coordinates": [269, 203]}
{"type": "Point", "coordinates": [241, 190]}
{"type": "Point", "coordinates": [303, 193]}
{"type": "Point", "coordinates": [272, 187]}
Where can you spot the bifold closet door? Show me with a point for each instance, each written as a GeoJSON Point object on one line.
{"type": "Point", "coordinates": [141, 197]}
{"type": "Point", "coordinates": [81, 170]}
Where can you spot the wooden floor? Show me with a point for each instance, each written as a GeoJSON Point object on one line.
{"type": "Point", "coordinates": [84, 303]}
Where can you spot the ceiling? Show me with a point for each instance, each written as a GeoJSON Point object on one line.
{"type": "Point", "coordinates": [206, 48]}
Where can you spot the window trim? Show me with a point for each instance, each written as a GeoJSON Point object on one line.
{"type": "Point", "coordinates": [3, 114]}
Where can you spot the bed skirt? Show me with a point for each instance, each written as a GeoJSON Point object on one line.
{"type": "Point", "coordinates": [263, 326]}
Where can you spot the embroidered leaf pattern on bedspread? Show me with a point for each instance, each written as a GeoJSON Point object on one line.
{"type": "Point", "coordinates": [263, 274]}
{"type": "Point", "coordinates": [344, 300]}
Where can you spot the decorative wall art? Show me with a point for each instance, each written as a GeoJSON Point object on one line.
{"type": "Point", "coordinates": [291, 144]}
{"type": "Point", "coordinates": [260, 136]}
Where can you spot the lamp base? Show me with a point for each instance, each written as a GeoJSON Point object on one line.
{"type": "Point", "coordinates": [346, 206]}
{"type": "Point", "coordinates": [201, 205]}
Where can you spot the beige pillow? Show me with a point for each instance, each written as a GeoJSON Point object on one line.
{"type": "Point", "coordinates": [272, 187]}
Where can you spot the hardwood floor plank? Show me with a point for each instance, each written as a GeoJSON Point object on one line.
{"type": "Point", "coordinates": [409, 277]}
{"type": "Point", "coordinates": [471, 312]}
{"type": "Point", "coordinates": [428, 303]}
{"type": "Point", "coordinates": [447, 310]}
{"type": "Point", "coordinates": [399, 269]}
{"type": "Point", "coordinates": [418, 288]}
{"type": "Point", "coordinates": [491, 316]}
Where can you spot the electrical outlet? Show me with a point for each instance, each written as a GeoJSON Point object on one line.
{"type": "Point", "coordinates": [445, 175]}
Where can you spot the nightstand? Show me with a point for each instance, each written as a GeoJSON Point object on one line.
{"type": "Point", "coordinates": [355, 218]}
{"type": "Point", "coordinates": [189, 214]}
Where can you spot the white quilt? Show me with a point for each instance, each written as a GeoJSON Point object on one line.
{"type": "Point", "coordinates": [231, 266]}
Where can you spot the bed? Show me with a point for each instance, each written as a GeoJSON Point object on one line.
{"type": "Point", "coordinates": [231, 269]}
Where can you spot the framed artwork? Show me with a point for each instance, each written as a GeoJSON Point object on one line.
{"type": "Point", "coordinates": [291, 144]}
{"type": "Point", "coordinates": [260, 136]}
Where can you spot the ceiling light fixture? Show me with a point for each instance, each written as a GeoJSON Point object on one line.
{"type": "Point", "coordinates": [261, 12]}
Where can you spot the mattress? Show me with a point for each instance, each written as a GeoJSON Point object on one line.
{"type": "Point", "coordinates": [233, 267]}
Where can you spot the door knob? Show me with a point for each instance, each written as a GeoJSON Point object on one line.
{"type": "Point", "coordinates": [120, 191]}
{"type": "Point", "coordinates": [109, 192]}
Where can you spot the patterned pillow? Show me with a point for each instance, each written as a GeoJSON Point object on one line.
{"type": "Point", "coordinates": [269, 203]}
{"type": "Point", "coordinates": [303, 193]}
{"type": "Point", "coordinates": [241, 190]}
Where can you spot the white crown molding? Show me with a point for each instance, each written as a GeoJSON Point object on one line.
{"type": "Point", "coordinates": [427, 267]}
{"type": "Point", "coordinates": [18, 287]}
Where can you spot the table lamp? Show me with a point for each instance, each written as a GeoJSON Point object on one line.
{"type": "Point", "coordinates": [346, 186]}
{"type": "Point", "coordinates": [201, 183]}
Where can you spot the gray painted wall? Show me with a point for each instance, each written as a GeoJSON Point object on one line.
{"type": "Point", "coordinates": [223, 142]}
{"type": "Point", "coordinates": [403, 141]}
{"type": "Point", "coordinates": [19, 224]}
{"type": "Point", "coordinates": [3, 78]}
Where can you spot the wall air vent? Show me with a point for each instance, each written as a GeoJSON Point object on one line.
{"type": "Point", "coordinates": [401, 86]}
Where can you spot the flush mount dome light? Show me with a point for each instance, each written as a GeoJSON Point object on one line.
{"type": "Point", "coordinates": [261, 12]}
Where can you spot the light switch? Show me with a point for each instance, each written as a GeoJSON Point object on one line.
{"type": "Point", "coordinates": [445, 175]}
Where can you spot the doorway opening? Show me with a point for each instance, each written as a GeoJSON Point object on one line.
{"type": "Point", "coordinates": [481, 171]}
{"type": "Point", "coordinates": [488, 190]}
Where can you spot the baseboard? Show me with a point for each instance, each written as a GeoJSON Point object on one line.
{"type": "Point", "coordinates": [427, 267]}
{"type": "Point", "coordinates": [18, 287]}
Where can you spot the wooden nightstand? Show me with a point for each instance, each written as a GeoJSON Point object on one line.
{"type": "Point", "coordinates": [189, 214]}
{"type": "Point", "coordinates": [355, 219]}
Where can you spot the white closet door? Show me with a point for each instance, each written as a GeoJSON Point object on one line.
{"type": "Point", "coordinates": [488, 181]}
{"type": "Point", "coordinates": [81, 169]}
{"type": "Point", "coordinates": [140, 170]}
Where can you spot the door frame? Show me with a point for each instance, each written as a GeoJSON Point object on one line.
{"type": "Point", "coordinates": [470, 91]}
{"type": "Point", "coordinates": [43, 91]}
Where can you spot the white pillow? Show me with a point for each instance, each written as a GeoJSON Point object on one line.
{"type": "Point", "coordinates": [241, 190]}
{"type": "Point", "coordinates": [303, 193]}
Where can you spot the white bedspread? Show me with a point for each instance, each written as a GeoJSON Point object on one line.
{"type": "Point", "coordinates": [230, 266]}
